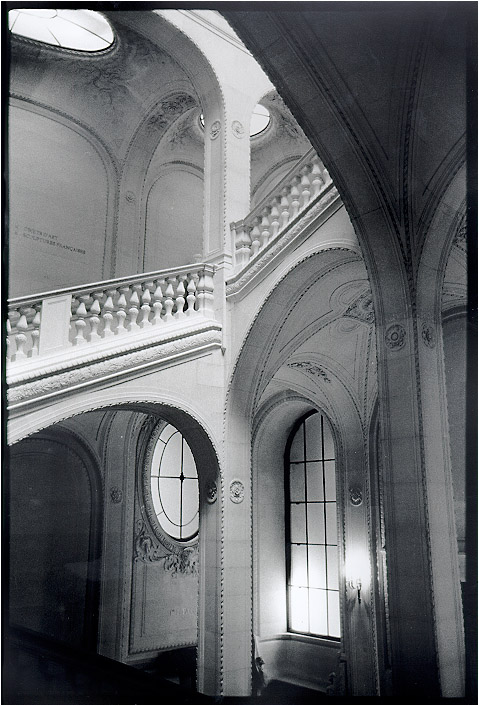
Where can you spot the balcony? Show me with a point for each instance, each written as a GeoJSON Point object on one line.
{"type": "Point", "coordinates": [73, 338]}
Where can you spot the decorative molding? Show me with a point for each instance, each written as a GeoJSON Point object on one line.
{"type": "Point", "coordinates": [211, 492]}
{"type": "Point", "coordinates": [395, 337]}
{"type": "Point", "coordinates": [236, 491]}
{"type": "Point", "coordinates": [356, 496]}
{"type": "Point", "coordinates": [130, 197]}
{"type": "Point", "coordinates": [121, 361]}
{"type": "Point", "coordinates": [116, 495]}
{"type": "Point", "coordinates": [215, 129]}
{"type": "Point", "coordinates": [295, 228]}
{"type": "Point", "coordinates": [428, 334]}
{"type": "Point", "coordinates": [362, 308]}
{"type": "Point", "coordinates": [237, 129]}
{"type": "Point", "coordinates": [310, 368]}
{"type": "Point", "coordinates": [146, 549]}
{"type": "Point", "coordinates": [183, 562]}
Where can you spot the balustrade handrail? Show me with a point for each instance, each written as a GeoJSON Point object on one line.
{"type": "Point", "coordinates": [285, 181]}
{"type": "Point", "coordinates": [115, 282]}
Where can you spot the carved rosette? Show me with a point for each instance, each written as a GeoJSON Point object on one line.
{"type": "Point", "coordinates": [238, 129]}
{"type": "Point", "coordinates": [355, 496]}
{"type": "Point", "coordinates": [215, 129]}
{"type": "Point", "coordinates": [428, 334]}
{"type": "Point", "coordinates": [395, 337]}
{"type": "Point", "coordinates": [211, 492]}
{"type": "Point", "coordinates": [310, 368]}
{"type": "Point", "coordinates": [116, 494]}
{"type": "Point", "coordinates": [236, 491]}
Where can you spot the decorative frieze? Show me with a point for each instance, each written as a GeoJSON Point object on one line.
{"type": "Point", "coordinates": [311, 369]}
{"type": "Point", "coordinates": [362, 308]}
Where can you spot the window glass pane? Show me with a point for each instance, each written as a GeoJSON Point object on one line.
{"type": "Point", "coordinates": [317, 567]}
{"type": "Point", "coordinates": [313, 437]}
{"type": "Point", "coordinates": [315, 481]}
{"type": "Point", "coordinates": [333, 614]}
{"type": "Point", "coordinates": [168, 526]}
{"type": "Point", "coordinates": [315, 523]}
{"type": "Point", "coordinates": [189, 466]}
{"type": "Point", "coordinates": [299, 573]}
{"type": "Point", "coordinates": [190, 500]}
{"type": "Point", "coordinates": [298, 523]}
{"type": "Point", "coordinates": [170, 499]}
{"type": "Point", "coordinates": [328, 440]}
{"type": "Point", "coordinates": [330, 480]}
{"type": "Point", "coordinates": [333, 578]}
{"type": "Point", "coordinates": [170, 464]}
{"type": "Point", "coordinates": [318, 621]}
{"type": "Point", "coordinates": [190, 529]}
{"type": "Point", "coordinates": [296, 481]}
{"type": "Point", "coordinates": [167, 432]}
{"type": "Point", "coordinates": [297, 447]}
{"type": "Point", "coordinates": [331, 526]}
{"type": "Point", "coordinates": [298, 609]}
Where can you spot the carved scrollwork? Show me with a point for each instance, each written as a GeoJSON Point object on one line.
{"type": "Point", "coordinates": [185, 562]}
{"type": "Point", "coordinates": [211, 492]}
{"type": "Point", "coordinates": [146, 549]}
{"type": "Point", "coordinates": [238, 129]}
{"type": "Point", "coordinates": [236, 491]}
{"type": "Point", "coordinates": [395, 336]}
{"type": "Point", "coordinates": [428, 334]}
{"type": "Point", "coordinates": [310, 368]}
{"type": "Point", "coordinates": [356, 496]}
{"type": "Point", "coordinates": [215, 129]}
{"type": "Point", "coordinates": [116, 494]}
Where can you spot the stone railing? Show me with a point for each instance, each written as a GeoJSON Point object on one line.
{"type": "Point", "coordinates": [292, 197]}
{"type": "Point", "coordinates": [47, 324]}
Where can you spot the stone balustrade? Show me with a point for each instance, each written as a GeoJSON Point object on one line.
{"type": "Point", "coordinates": [48, 323]}
{"type": "Point", "coordinates": [292, 197]}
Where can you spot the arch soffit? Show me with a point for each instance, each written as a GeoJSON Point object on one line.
{"type": "Point", "coordinates": [185, 52]}
{"type": "Point", "coordinates": [183, 416]}
{"type": "Point", "coordinates": [277, 308]}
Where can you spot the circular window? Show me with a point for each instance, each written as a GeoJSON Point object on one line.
{"type": "Point", "coordinates": [174, 486]}
{"type": "Point", "coordinates": [84, 30]}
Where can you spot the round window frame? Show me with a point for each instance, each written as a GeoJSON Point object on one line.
{"type": "Point", "coordinates": [171, 543]}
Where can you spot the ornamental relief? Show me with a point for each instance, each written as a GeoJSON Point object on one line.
{"type": "Point", "coordinates": [182, 561]}
{"type": "Point", "coordinates": [310, 368]}
{"type": "Point", "coordinates": [395, 337]}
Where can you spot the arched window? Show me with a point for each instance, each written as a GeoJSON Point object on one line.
{"type": "Point", "coordinates": [174, 486]}
{"type": "Point", "coordinates": [311, 529]}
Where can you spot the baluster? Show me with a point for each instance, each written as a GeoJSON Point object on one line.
{"type": "Point", "coordinates": [108, 309]}
{"type": "Point", "coordinates": [8, 342]}
{"type": "Point", "coordinates": [80, 322]}
{"type": "Point", "coordinates": [275, 217]}
{"type": "Point", "coordinates": [121, 311]}
{"type": "Point", "coordinates": [158, 303]}
{"type": "Point", "coordinates": [294, 198]}
{"type": "Point", "coordinates": [242, 245]}
{"type": "Point", "coordinates": [284, 207]}
{"type": "Point", "coordinates": [255, 237]}
{"type": "Point", "coordinates": [305, 184]}
{"type": "Point", "coordinates": [205, 294]}
{"type": "Point", "coordinates": [169, 302]}
{"type": "Point", "coordinates": [20, 338]}
{"type": "Point", "coordinates": [265, 233]}
{"type": "Point", "coordinates": [326, 177]}
{"type": "Point", "coordinates": [36, 330]}
{"type": "Point", "coordinates": [180, 297]}
{"type": "Point", "coordinates": [145, 306]}
{"type": "Point", "coordinates": [191, 298]}
{"type": "Point", "coordinates": [317, 182]}
{"type": "Point", "coordinates": [134, 309]}
{"type": "Point", "coordinates": [95, 318]}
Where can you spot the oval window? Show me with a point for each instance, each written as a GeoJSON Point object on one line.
{"type": "Point", "coordinates": [84, 30]}
{"type": "Point", "coordinates": [174, 486]}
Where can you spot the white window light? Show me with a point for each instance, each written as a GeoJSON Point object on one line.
{"type": "Point", "coordinates": [84, 30]}
{"type": "Point", "coordinates": [260, 119]}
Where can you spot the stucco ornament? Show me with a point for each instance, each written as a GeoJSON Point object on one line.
{"type": "Point", "coordinates": [211, 492]}
{"type": "Point", "coordinates": [238, 129]}
{"type": "Point", "coordinates": [130, 197]}
{"type": "Point", "coordinates": [310, 368]}
{"type": "Point", "coordinates": [395, 336]}
{"type": "Point", "coordinates": [236, 491]}
{"type": "Point", "coordinates": [428, 334]}
{"type": "Point", "coordinates": [116, 494]}
{"type": "Point", "coordinates": [215, 129]}
{"type": "Point", "coordinates": [356, 495]}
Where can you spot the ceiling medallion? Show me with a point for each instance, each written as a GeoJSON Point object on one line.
{"type": "Point", "coordinates": [395, 337]}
